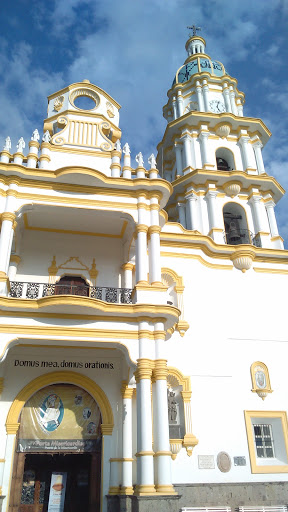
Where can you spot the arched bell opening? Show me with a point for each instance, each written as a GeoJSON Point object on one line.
{"type": "Point", "coordinates": [236, 226]}
{"type": "Point", "coordinates": [225, 160]}
{"type": "Point", "coordinates": [58, 451]}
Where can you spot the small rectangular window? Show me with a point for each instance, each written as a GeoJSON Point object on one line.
{"type": "Point", "coordinates": [264, 441]}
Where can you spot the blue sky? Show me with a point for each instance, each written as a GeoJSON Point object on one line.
{"type": "Point", "coordinates": [132, 49]}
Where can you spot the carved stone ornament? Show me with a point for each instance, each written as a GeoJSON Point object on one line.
{"type": "Point", "coordinates": [21, 145]}
{"type": "Point", "coordinates": [232, 189]}
{"type": "Point", "coordinates": [58, 103]}
{"type": "Point", "coordinates": [110, 109]}
{"type": "Point", "coordinates": [139, 159]}
{"type": "Point", "coordinates": [243, 259]}
{"type": "Point", "coordinates": [223, 131]}
{"type": "Point", "coordinates": [175, 447]}
{"type": "Point", "coordinates": [224, 462]}
{"type": "Point", "coordinates": [7, 145]}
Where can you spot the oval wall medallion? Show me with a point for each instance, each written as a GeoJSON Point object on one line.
{"type": "Point", "coordinates": [224, 462]}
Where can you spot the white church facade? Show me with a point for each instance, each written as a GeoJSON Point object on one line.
{"type": "Point", "coordinates": [143, 333]}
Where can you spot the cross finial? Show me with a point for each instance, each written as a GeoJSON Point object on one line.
{"type": "Point", "coordinates": [194, 28]}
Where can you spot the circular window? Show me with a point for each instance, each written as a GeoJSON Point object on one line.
{"type": "Point", "coordinates": [84, 99]}
{"type": "Point", "coordinates": [84, 103]}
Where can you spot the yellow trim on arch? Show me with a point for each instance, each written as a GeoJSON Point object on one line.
{"type": "Point", "coordinates": [61, 377]}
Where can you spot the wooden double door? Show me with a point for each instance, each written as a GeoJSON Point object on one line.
{"type": "Point", "coordinates": [32, 479]}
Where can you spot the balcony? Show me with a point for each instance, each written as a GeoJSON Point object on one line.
{"type": "Point", "coordinates": [30, 290]}
{"type": "Point", "coordinates": [240, 236]}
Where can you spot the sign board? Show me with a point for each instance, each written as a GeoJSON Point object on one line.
{"type": "Point", "coordinates": [206, 462]}
{"type": "Point", "coordinates": [57, 492]}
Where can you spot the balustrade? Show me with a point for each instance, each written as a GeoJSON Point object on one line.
{"type": "Point", "coordinates": [30, 290]}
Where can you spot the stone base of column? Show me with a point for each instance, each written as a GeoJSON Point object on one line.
{"type": "Point", "coordinates": [166, 490]}
{"type": "Point", "coordinates": [158, 284]}
{"type": "Point", "coordinates": [134, 503]}
{"type": "Point", "coordinates": [114, 490]}
{"type": "Point", "coordinates": [126, 491]}
{"type": "Point", "coordinates": [144, 490]}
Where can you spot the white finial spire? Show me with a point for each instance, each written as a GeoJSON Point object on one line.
{"type": "Point", "coordinates": [152, 161]}
{"type": "Point", "coordinates": [139, 159]}
{"type": "Point", "coordinates": [126, 149]}
{"type": "Point", "coordinates": [35, 135]}
{"type": "Point", "coordinates": [118, 145]}
{"type": "Point", "coordinates": [46, 137]}
{"type": "Point", "coordinates": [7, 145]}
{"type": "Point", "coordinates": [21, 145]}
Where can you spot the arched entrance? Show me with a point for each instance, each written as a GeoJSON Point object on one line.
{"type": "Point", "coordinates": [57, 463]}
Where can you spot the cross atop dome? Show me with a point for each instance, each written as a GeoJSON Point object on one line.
{"type": "Point", "coordinates": [194, 28]}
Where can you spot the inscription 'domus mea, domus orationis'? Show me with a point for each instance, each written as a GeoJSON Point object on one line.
{"type": "Point", "coordinates": [34, 363]}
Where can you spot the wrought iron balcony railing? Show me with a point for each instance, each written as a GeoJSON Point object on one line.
{"type": "Point", "coordinates": [240, 236]}
{"type": "Point", "coordinates": [24, 290]}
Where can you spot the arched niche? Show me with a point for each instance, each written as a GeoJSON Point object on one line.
{"type": "Point", "coordinates": [12, 422]}
{"type": "Point", "coordinates": [174, 297]}
{"type": "Point", "coordinates": [225, 159]}
{"type": "Point", "coordinates": [179, 412]}
{"type": "Point", "coordinates": [236, 225]}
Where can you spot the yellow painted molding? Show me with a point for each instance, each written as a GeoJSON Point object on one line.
{"type": "Point", "coordinates": [143, 453]}
{"type": "Point", "coordinates": [265, 469]}
{"type": "Point", "coordinates": [126, 491]}
{"type": "Point", "coordinates": [141, 228]}
{"type": "Point", "coordinates": [12, 428]}
{"type": "Point", "coordinates": [128, 266]}
{"type": "Point", "coordinates": [166, 490]}
{"type": "Point", "coordinates": [160, 370]}
{"type": "Point", "coordinates": [189, 442]}
{"type": "Point", "coordinates": [261, 392]}
{"type": "Point", "coordinates": [68, 377]}
{"type": "Point", "coordinates": [179, 380]}
{"type": "Point", "coordinates": [162, 453]}
{"type": "Point", "coordinates": [144, 369]}
{"type": "Point", "coordinates": [145, 490]}
{"type": "Point", "coordinates": [126, 391]}
{"type": "Point", "coordinates": [113, 490]}
{"type": "Point", "coordinates": [271, 270]}
{"type": "Point", "coordinates": [8, 216]}
{"type": "Point", "coordinates": [154, 229]}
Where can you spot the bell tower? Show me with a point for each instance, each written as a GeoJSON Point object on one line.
{"type": "Point", "coordinates": [212, 154]}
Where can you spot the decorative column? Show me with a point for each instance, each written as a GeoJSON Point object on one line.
{"type": "Point", "coordinates": [192, 212]}
{"type": "Point", "coordinates": [240, 108]}
{"type": "Point", "coordinates": [182, 215]}
{"type": "Point", "coordinates": [275, 237]}
{"type": "Point", "coordinates": [141, 254]}
{"type": "Point", "coordinates": [199, 97]}
{"type": "Point", "coordinates": [8, 219]}
{"type": "Point", "coordinates": [262, 229]}
{"type": "Point", "coordinates": [128, 275]}
{"type": "Point", "coordinates": [203, 137]}
{"type": "Point", "coordinates": [232, 100]}
{"type": "Point", "coordinates": [178, 152]}
{"type": "Point", "coordinates": [162, 450]}
{"type": "Point", "coordinates": [141, 242]}
{"type": "Point", "coordinates": [174, 105]}
{"type": "Point", "coordinates": [127, 459]}
{"type": "Point", "coordinates": [187, 151]}
{"type": "Point", "coordinates": [180, 103]}
{"type": "Point", "coordinates": [115, 164]}
{"type": "Point", "coordinates": [248, 164]}
{"type": "Point", "coordinates": [257, 147]}
{"type": "Point", "coordinates": [32, 157]}
{"type": "Point", "coordinates": [12, 430]}
{"type": "Point", "coordinates": [206, 95]}
{"type": "Point", "coordinates": [145, 464]}
{"type": "Point", "coordinates": [216, 225]}
{"type": "Point", "coordinates": [126, 170]}
{"type": "Point", "coordinates": [13, 266]}
{"type": "Point", "coordinates": [154, 244]}
{"type": "Point", "coordinates": [44, 158]}
{"type": "Point", "coordinates": [226, 95]}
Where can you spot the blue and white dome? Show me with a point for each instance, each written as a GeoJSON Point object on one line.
{"type": "Point", "coordinates": [197, 62]}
